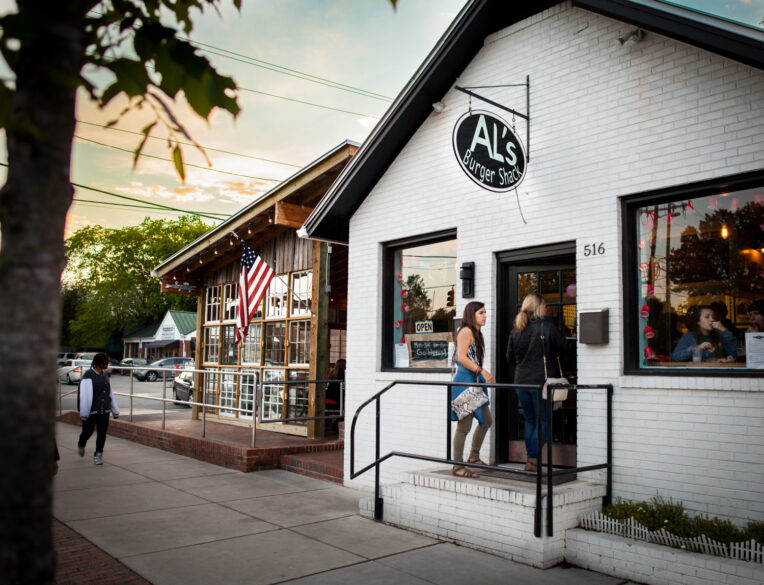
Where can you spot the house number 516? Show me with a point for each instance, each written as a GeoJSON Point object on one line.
{"type": "Point", "coordinates": [596, 249]}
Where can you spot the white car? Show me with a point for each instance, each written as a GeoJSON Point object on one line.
{"type": "Point", "coordinates": [72, 370]}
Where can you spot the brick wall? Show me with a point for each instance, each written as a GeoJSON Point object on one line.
{"type": "Point", "coordinates": [607, 121]}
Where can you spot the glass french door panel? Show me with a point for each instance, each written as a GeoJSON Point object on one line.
{"type": "Point", "coordinates": [297, 405]}
{"type": "Point", "coordinates": [549, 286]}
{"type": "Point", "coordinates": [227, 393]}
{"type": "Point", "coordinates": [272, 400]}
{"type": "Point", "coordinates": [210, 391]}
{"type": "Point", "coordinates": [527, 283]}
{"type": "Point", "coordinates": [248, 386]}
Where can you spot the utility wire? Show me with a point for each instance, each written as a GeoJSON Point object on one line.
{"type": "Point", "coordinates": [156, 206]}
{"type": "Point", "coordinates": [191, 144]}
{"type": "Point", "coordinates": [303, 76]}
{"type": "Point", "coordinates": [106, 205]}
{"type": "Point", "coordinates": [170, 160]}
{"type": "Point", "coordinates": [281, 97]}
{"type": "Point", "coordinates": [210, 215]}
{"type": "Point", "coordinates": [115, 204]}
{"type": "Point", "coordinates": [281, 69]}
{"type": "Point", "coordinates": [336, 83]}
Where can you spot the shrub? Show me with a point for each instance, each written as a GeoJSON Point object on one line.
{"type": "Point", "coordinates": [664, 513]}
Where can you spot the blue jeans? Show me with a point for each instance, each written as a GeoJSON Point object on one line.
{"type": "Point", "coordinates": [528, 401]}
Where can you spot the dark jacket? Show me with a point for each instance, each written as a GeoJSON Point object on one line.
{"type": "Point", "coordinates": [525, 356]}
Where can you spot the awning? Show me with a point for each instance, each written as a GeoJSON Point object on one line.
{"type": "Point", "coordinates": [162, 343]}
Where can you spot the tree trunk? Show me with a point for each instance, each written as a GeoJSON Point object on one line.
{"type": "Point", "coordinates": [33, 206]}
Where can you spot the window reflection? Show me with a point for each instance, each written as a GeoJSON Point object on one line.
{"type": "Point", "coordinates": [699, 269]}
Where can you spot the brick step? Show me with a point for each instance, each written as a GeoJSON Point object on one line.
{"type": "Point", "coordinates": [327, 465]}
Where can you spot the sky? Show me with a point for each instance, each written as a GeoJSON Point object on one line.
{"type": "Point", "coordinates": [363, 44]}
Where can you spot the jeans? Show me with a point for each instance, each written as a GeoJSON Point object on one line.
{"type": "Point", "coordinates": [99, 423]}
{"type": "Point", "coordinates": [528, 401]}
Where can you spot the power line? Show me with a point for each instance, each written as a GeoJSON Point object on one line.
{"type": "Point", "coordinates": [170, 160]}
{"type": "Point", "coordinates": [106, 205]}
{"type": "Point", "coordinates": [336, 83]}
{"type": "Point", "coordinates": [209, 215]}
{"type": "Point", "coordinates": [158, 206]}
{"type": "Point", "coordinates": [115, 204]}
{"type": "Point", "coordinates": [281, 97]}
{"type": "Point", "coordinates": [291, 72]}
{"type": "Point", "coordinates": [191, 144]}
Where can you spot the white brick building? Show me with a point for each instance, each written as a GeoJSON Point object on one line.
{"type": "Point", "coordinates": [618, 130]}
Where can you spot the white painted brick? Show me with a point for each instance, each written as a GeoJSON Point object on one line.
{"type": "Point", "coordinates": [605, 123]}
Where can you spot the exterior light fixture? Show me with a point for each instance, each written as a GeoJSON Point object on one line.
{"type": "Point", "coordinates": [200, 259]}
{"type": "Point", "coordinates": [270, 219]}
{"type": "Point", "coordinates": [249, 229]}
{"type": "Point", "coordinates": [187, 268]}
{"type": "Point", "coordinates": [632, 38]}
{"type": "Point", "coordinates": [216, 251]}
{"type": "Point", "coordinates": [230, 242]}
{"type": "Point", "coordinates": [725, 231]}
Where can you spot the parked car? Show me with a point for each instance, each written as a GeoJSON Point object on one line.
{"type": "Point", "coordinates": [63, 357]}
{"type": "Point", "coordinates": [152, 371]}
{"type": "Point", "coordinates": [88, 355]}
{"type": "Point", "coordinates": [183, 386]}
{"type": "Point", "coordinates": [128, 363]}
{"type": "Point", "coordinates": [72, 370]}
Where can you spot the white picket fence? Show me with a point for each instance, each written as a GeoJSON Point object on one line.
{"type": "Point", "coordinates": [743, 551]}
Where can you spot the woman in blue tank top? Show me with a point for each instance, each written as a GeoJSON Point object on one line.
{"type": "Point", "coordinates": [470, 351]}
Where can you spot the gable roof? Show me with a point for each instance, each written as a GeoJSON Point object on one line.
{"type": "Point", "coordinates": [185, 321]}
{"type": "Point", "coordinates": [142, 332]}
{"type": "Point", "coordinates": [312, 176]}
{"type": "Point", "coordinates": [456, 49]}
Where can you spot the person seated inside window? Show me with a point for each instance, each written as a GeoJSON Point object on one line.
{"type": "Point", "coordinates": [756, 315]}
{"type": "Point", "coordinates": [708, 340]}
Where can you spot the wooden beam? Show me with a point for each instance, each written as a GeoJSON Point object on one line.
{"type": "Point", "coordinates": [319, 340]}
{"type": "Point", "coordinates": [291, 215]}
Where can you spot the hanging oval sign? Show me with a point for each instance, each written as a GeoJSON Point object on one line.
{"type": "Point", "coordinates": [489, 151]}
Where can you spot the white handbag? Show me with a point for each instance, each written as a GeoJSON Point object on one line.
{"type": "Point", "coordinates": [468, 401]}
{"type": "Point", "coordinates": [558, 394]}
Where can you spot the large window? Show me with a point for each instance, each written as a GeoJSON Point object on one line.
{"type": "Point", "coordinates": [695, 272]}
{"type": "Point", "coordinates": [278, 337]}
{"type": "Point", "coordinates": [419, 302]}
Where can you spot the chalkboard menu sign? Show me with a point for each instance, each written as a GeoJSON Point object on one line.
{"type": "Point", "coordinates": [429, 350]}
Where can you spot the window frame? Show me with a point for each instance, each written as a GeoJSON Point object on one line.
{"type": "Point", "coordinates": [629, 206]}
{"type": "Point", "coordinates": [260, 321]}
{"type": "Point", "coordinates": [388, 275]}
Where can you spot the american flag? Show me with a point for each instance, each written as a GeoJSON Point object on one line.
{"type": "Point", "coordinates": [254, 278]}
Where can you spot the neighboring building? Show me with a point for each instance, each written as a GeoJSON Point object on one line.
{"type": "Point", "coordinates": [299, 329]}
{"type": "Point", "coordinates": [642, 194]}
{"type": "Point", "coordinates": [173, 336]}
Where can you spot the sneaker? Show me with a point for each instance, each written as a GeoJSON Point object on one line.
{"type": "Point", "coordinates": [98, 459]}
{"type": "Point", "coordinates": [80, 451]}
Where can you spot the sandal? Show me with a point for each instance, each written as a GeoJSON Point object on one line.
{"type": "Point", "coordinates": [464, 472]}
{"type": "Point", "coordinates": [478, 461]}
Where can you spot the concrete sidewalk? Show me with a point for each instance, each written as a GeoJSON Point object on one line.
{"type": "Point", "coordinates": [172, 519]}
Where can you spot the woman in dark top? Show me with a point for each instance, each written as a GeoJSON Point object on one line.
{"type": "Point", "coordinates": [525, 355]}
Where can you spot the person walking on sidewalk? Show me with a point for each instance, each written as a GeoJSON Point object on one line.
{"type": "Point", "coordinates": [470, 350]}
{"type": "Point", "coordinates": [96, 401]}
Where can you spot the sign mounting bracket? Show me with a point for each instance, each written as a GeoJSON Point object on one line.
{"type": "Point", "coordinates": [526, 117]}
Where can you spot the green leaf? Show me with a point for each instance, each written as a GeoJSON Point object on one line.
{"type": "Point", "coordinates": [131, 79]}
{"type": "Point", "coordinates": [177, 159]}
{"type": "Point", "coordinates": [146, 131]}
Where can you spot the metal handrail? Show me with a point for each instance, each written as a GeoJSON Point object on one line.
{"type": "Point", "coordinates": [251, 412]}
{"type": "Point", "coordinates": [551, 473]}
